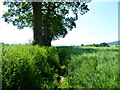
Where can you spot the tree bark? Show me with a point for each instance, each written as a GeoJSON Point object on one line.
{"type": "Point", "coordinates": [37, 23]}
{"type": "Point", "coordinates": [47, 40]}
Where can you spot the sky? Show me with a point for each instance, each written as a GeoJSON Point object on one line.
{"type": "Point", "coordinates": [98, 25]}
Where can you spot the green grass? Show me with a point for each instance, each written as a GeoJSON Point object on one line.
{"type": "Point", "coordinates": [84, 67]}
{"type": "Point", "coordinates": [91, 67]}
{"type": "Point", "coordinates": [29, 67]}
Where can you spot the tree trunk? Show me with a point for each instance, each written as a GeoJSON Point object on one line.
{"type": "Point", "coordinates": [37, 23]}
{"type": "Point", "coordinates": [47, 40]}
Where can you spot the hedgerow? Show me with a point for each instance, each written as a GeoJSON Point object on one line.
{"type": "Point", "coordinates": [29, 67]}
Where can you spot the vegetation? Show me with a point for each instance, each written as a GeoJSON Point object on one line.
{"type": "Point", "coordinates": [28, 66]}
{"type": "Point", "coordinates": [99, 45]}
{"type": "Point", "coordinates": [60, 67]}
{"type": "Point", "coordinates": [91, 67]}
{"type": "Point", "coordinates": [49, 20]}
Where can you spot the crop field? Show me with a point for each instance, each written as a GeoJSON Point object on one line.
{"type": "Point", "coordinates": [91, 67]}
{"type": "Point", "coordinates": [60, 67]}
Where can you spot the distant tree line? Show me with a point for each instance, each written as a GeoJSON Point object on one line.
{"type": "Point", "coordinates": [97, 45]}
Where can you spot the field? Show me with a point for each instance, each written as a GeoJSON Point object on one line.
{"type": "Point", "coordinates": [60, 67]}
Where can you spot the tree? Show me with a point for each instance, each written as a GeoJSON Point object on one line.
{"type": "Point", "coordinates": [96, 45]}
{"type": "Point", "coordinates": [37, 26]}
{"type": "Point", "coordinates": [82, 44]}
{"type": "Point", "coordinates": [49, 20]}
{"type": "Point", "coordinates": [104, 44]}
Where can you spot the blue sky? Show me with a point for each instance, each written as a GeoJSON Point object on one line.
{"type": "Point", "coordinates": [100, 24]}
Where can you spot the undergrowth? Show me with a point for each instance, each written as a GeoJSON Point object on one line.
{"type": "Point", "coordinates": [39, 67]}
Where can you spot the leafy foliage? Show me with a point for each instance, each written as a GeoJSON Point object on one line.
{"type": "Point", "coordinates": [39, 67]}
{"type": "Point", "coordinates": [20, 14]}
{"type": "Point", "coordinates": [55, 16]}
{"type": "Point", "coordinates": [29, 67]}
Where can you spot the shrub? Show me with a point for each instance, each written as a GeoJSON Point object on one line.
{"type": "Point", "coordinates": [29, 67]}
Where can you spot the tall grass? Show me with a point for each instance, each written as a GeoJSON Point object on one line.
{"type": "Point", "coordinates": [39, 67]}
{"type": "Point", "coordinates": [92, 67]}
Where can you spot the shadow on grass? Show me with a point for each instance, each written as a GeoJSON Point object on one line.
{"type": "Point", "coordinates": [65, 52]}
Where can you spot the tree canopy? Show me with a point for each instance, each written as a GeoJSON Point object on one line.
{"type": "Point", "coordinates": [49, 20]}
